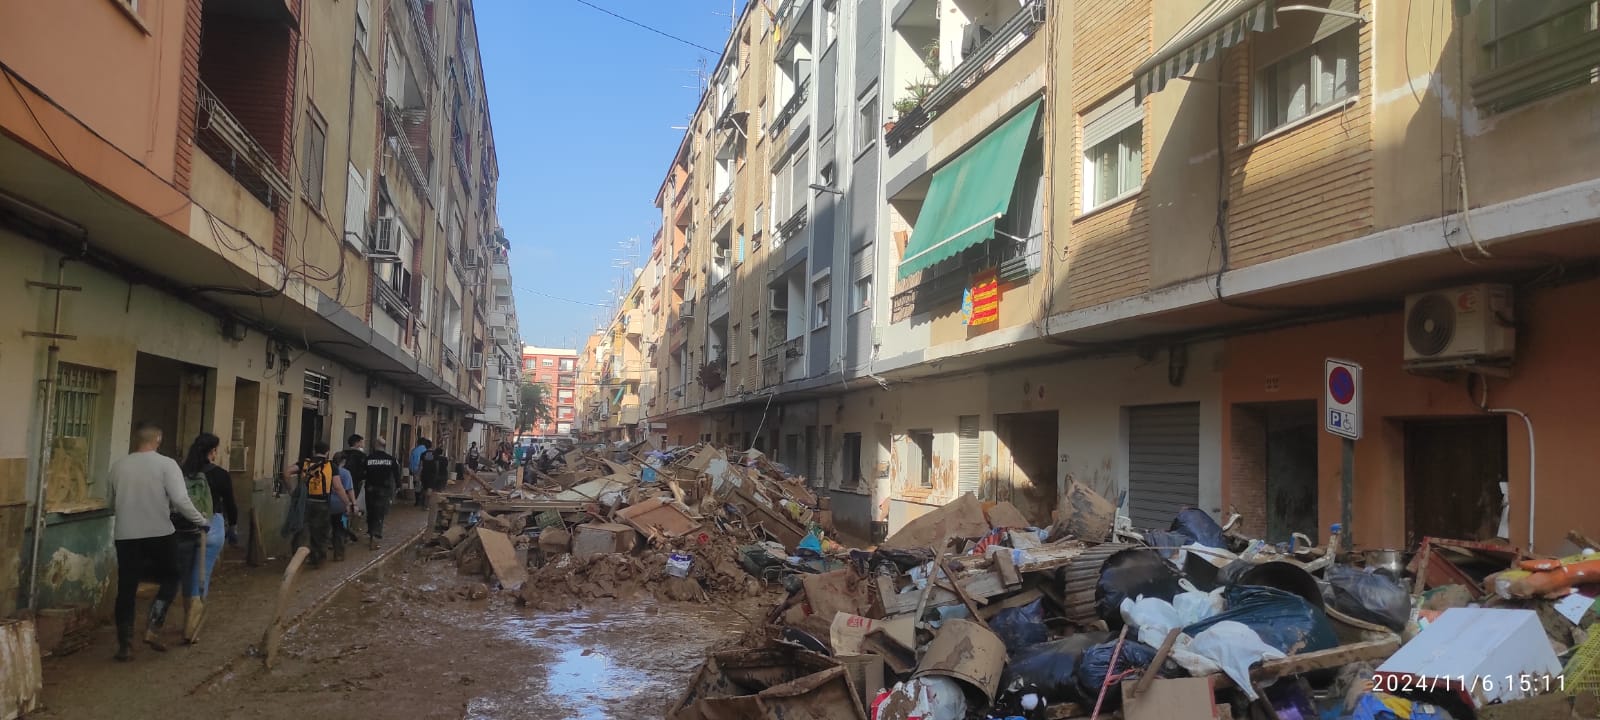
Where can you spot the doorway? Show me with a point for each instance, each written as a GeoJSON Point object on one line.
{"type": "Point", "coordinates": [1026, 463]}
{"type": "Point", "coordinates": [1454, 468]}
{"type": "Point", "coordinates": [1163, 462]}
{"type": "Point", "coordinates": [171, 395]}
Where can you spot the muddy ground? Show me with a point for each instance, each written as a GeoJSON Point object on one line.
{"type": "Point", "coordinates": [408, 641]}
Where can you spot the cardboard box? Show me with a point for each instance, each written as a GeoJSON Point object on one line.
{"type": "Point", "coordinates": [603, 538]}
{"type": "Point", "coordinates": [1499, 655]}
{"type": "Point", "coordinates": [866, 674]}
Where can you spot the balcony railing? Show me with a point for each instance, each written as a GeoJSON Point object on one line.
{"type": "Point", "coordinates": [973, 67]}
{"type": "Point", "coordinates": [796, 101]}
{"type": "Point", "coordinates": [221, 136]}
{"type": "Point", "coordinates": [793, 225]}
{"type": "Point", "coordinates": [400, 142]}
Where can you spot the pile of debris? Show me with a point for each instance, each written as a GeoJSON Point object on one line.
{"type": "Point", "coordinates": [968, 612]}
{"type": "Point", "coordinates": [688, 524]}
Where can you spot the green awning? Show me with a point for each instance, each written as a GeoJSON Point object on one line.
{"type": "Point", "coordinates": [969, 194]}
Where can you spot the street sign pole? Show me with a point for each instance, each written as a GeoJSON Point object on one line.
{"type": "Point", "coordinates": [1347, 491]}
{"type": "Point", "coordinates": [1342, 417]}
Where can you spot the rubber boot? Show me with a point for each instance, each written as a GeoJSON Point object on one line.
{"type": "Point", "coordinates": [158, 617]}
{"type": "Point", "coordinates": [124, 643]}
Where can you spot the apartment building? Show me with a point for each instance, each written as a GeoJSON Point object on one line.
{"type": "Point", "coordinates": [502, 361]}
{"type": "Point", "coordinates": [184, 250]}
{"type": "Point", "coordinates": [1113, 243]}
{"type": "Point", "coordinates": [612, 368]}
{"type": "Point", "coordinates": [557, 370]}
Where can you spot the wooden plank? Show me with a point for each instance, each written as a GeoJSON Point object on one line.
{"type": "Point", "coordinates": [1007, 569]}
{"type": "Point", "coordinates": [966, 599]}
{"type": "Point", "coordinates": [274, 632]}
{"type": "Point", "coordinates": [1154, 668]}
{"type": "Point", "coordinates": [503, 558]}
{"type": "Point", "coordinates": [1050, 557]}
{"type": "Point", "coordinates": [1015, 601]}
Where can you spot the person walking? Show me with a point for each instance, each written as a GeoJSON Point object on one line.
{"type": "Point", "coordinates": [419, 488]}
{"type": "Point", "coordinates": [145, 488]}
{"type": "Point", "coordinates": [355, 460]}
{"type": "Point", "coordinates": [342, 506]}
{"type": "Point", "coordinates": [318, 480]}
{"type": "Point", "coordinates": [383, 477]}
{"type": "Point", "coordinates": [472, 456]}
{"type": "Point", "coordinates": [430, 475]}
{"type": "Point", "coordinates": [200, 467]}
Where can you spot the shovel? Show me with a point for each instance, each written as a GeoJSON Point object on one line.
{"type": "Point", "coordinates": [197, 604]}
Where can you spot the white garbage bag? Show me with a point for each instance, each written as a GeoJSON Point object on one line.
{"type": "Point", "coordinates": [1194, 605]}
{"type": "Point", "coordinates": [1233, 647]}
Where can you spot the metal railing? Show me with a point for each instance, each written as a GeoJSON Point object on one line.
{"type": "Point", "coordinates": [221, 136]}
{"type": "Point", "coordinates": [973, 67]}
{"type": "Point", "coordinates": [787, 113]}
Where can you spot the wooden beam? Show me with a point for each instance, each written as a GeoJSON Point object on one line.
{"type": "Point", "coordinates": [274, 633]}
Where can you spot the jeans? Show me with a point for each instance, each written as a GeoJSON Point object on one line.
{"type": "Point", "coordinates": [155, 558]}
{"type": "Point", "coordinates": [198, 584]}
{"type": "Point", "coordinates": [378, 499]}
{"type": "Point", "coordinates": [319, 529]}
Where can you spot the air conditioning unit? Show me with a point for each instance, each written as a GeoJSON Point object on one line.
{"type": "Point", "coordinates": [238, 458]}
{"type": "Point", "coordinates": [1467, 325]}
{"type": "Point", "coordinates": [386, 237]}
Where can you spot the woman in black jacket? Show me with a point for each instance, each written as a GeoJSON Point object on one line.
{"type": "Point", "coordinates": [202, 459]}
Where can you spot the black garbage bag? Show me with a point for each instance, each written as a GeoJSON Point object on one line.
{"type": "Point", "coordinates": [1283, 619]}
{"type": "Point", "coordinates": [1046, 669]}
{"type": "Point", "coordinates": [1020, 627]}
{"type": "Point", "coordinates": [1096, 664]}
{"type": "Point", "coordinates": [1372, 597]}
{"type": "Point", "coordinates": [1129, 575]}
{"type": "Point", "coordinates": [1198, 526]}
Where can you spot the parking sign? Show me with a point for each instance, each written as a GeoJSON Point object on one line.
{"type": "Point", "coordinates": [1342, 381]}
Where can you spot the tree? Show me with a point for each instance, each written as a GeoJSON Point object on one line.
{"type": "Point", "coordinates": [533, 406]}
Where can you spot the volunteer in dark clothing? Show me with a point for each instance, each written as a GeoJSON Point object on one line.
{"type": "Point", "coordinates": [145, 488]}
{"type": "Point", "coordinates": [420, 463]}
{"type": "Point", "coordinates": [355, 460]}
{"type": "Point", "coordinates": [318, 480]}
{"type": "Point", "coordinates": [202, 460]}
{"type": "Point", "coordinates": [383, 478]}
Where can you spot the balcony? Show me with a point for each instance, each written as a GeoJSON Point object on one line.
{"type": "Point", "coordinates": [402, 124]}
{"type": "Point", "coordinates": [978, 63]}
{"type": "Point", "coordinates": [221, 136]}
{"type": "Point", "coordinates": [634, 322]}
{"type": "Point", "coordinates": [791, 108]}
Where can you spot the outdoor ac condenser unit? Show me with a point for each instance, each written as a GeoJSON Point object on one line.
{"type": "Point", "coordinates": [1466, 325]}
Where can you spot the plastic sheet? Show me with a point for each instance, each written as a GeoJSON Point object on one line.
{"type": "Point", "coordinates": [930, 697]}
{"type": "Point", "coordinates": [1194, 605]}
{"type": "Point", "coordinates": [1020, 627]}
{"type": "Point", "coordinates": [1283, 620]}
{"type": "Point", "coordinates": [1368, 596]}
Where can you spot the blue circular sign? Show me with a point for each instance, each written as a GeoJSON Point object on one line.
{"type": "Point", "coordinates": [1341, 385]}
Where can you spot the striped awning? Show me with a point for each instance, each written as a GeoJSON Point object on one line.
{"type": "Point", "coordinates": [1220, 25]}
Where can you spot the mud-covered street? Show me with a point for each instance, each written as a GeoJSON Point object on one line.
{"type": "Point", "coordinates": [408, 641]}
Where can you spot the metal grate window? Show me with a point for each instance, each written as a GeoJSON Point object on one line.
{"type": "Point", "coordinates": [968, 454]}
{"type": "Point", "coordinates": [318, 386]}
{"type": "Point", "coordinates": [77, 409]}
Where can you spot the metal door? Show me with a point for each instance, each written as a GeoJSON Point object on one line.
{"type": "Point", "coordinates": [1163, 462]}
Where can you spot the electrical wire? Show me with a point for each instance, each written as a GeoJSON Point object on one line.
{"type": "Point", "coordinates": [657, 31]}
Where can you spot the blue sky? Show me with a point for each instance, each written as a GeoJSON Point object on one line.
{"type": "Point", "coordinates": [583, 106]}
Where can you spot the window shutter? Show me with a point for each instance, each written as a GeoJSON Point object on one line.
{"type": "Point", "coordinates": [823, 290]}
{"type": "Point", "coordinates": [738, 247]}
{"type": "Point", "coordinates": [967, 454]}
{"type": "Point", "coordinates": [355, 204]}
{"type": "Point", "coordinates": [1329, 24]}
{"type": "Point", "coordinates": [860, 264]}
{"type": "Point", "coordinates": [1110, 117]}
{"type": "Point", "coordinates": [800, 182]}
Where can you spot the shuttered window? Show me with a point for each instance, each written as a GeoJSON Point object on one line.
{"type": "Point", "coordinates": [1530, 49]}
{"type": "Point", "coordinates": [1163, 462]}
{"type": "Point", "coordinates": [1113, 150]}
{"type": "Point", "coordinates": [968, 454]}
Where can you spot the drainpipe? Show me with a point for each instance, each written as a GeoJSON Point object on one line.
{"type": "Point", "coordinates": [1533, 466]}
{"type": "Point", "coordinates": [46, 435]}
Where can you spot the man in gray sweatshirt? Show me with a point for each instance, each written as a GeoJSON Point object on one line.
{"type": "Point", "coordinates": [146, 489]}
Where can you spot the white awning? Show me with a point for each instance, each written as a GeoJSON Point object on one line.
{"type": "Point", "coordinates": [1220, 25]}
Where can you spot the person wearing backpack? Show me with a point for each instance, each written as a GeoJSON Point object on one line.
{"type": "Point", "coordinates": [211, 490]}
{"type": "Point", "coordinates": [318, 481]}
{"type": "Point", "coordinates": [144, 488]}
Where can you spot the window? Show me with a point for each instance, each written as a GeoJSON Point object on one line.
{"type": "Point", "coordinates": [1531, 50]}
{"type": "Point", "coordinates": [922, 444]}
{"type": "Point", "coordinates": [79, 427]}
{"type": "Point", "coordinates": [548, 362]}
{"type": "Point", "coordinates": [861, 279]}
{"type": "Point", "coordinates": [850, 473]}
{"type": "Point", "coordinates": [315, 150]}
{"type": "Point", "coordinates": [1113, 156]}
{"type": "Point", "coordinates": [1313, 79]}
{"type": "Point", "coordinates": [830, 23]}
{"type": "Point", "coordinates": [821, 309]}
{"type": "Point", "coordinates": [564, 395]}
{"type": "Point", "coordinates": [529, 363]}
{"type": "Point", "coordinates": [867, 123]}
{"type": "Point", "coordinates": [568, 364]}
{"type": "Point", "coordinates": [755, 333]}
{"type": "Point", "coordinates": [363, 21]}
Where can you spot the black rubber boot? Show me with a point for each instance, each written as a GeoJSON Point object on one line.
{"type": "Point", "coordinates": [124, 643]}
{"type": "Point", "coordinates": [158, 617]}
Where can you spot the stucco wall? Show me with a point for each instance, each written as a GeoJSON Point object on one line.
{"type": "Point", "coordinates": [1553, 382]}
